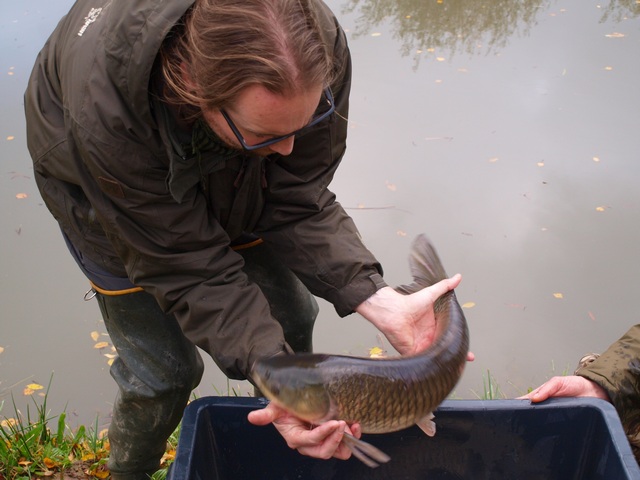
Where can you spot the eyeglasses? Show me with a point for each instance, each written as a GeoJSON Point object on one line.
{"type": "Point", "coordinates": [327, 103]}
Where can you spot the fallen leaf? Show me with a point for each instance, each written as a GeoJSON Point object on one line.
{"type": "Point", "coordinates": [21, 196]}
{"type": "Point", "coordinates": [600, 209]}
{"type": "Point", "coordinates": [35, 386]}
{"type": "Point", "coordinates": [401, 233]}
{"type": "Point", "coordinates": [10, 137]}
{"type": "Point", "coordinates": [592, 316]}
{"type": "Point", "coordinates": [1, 349]}
{"type": "Point", "coordinates": [101, 345]}
{"type": "Point", "coordinates": [493, 160]}
{"type": "Point", "coordinates": [94, 336]}
{"type": "Point", "coordinates": [49, 463]}
{"type": "Point", "coordinates": [540, 164]}
{"type": "Point", "coordinates": [377, 352]}
{"type": "Point", "coordinates": [558, 295]}
{"type": "Point", "coordinates": [440, 59]}
{"type": "Point", "coordinates": [615, 35]}
{"type": "Point", "coordinates": [596, 159]}
{"type": "Point", "coordinates": [608, 68]}
{"type": "Point", "coordinates": [469, 305]}
{"type": "Point", "coordinates": [376, 34]}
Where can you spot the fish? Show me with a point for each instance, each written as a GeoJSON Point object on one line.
{"type": "Point", "coordinates": [381, 394]}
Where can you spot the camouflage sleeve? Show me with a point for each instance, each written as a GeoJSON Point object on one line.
{"type": "Point", "coordinates": [617, 370]}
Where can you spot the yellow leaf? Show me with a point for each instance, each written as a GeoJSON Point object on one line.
{"type": "Point", "coordinates": [88, 457]}
{"type": "Point", "coordinates": [110, 355]}
{"type": "Point", "coordinates": [10, 137]}
{"type": "Point", "coordinates": [110, 361]}
{"type": "Point", "coordinates": [94, 336]}
{"type": "Point", "coordinates": [21, 196]}
{"type": "Point", "coordinates": [376, 34]}
{"type": "Point", "coordinates": [35, 386]}
{"type": "Point", "coordinates": [599, 209]}
{"type": "Point", "coordinates": [469, 305]}
{"type": "Point", "coordinates": [101, 345]}
{"type": "Point", "coordinates": [596, 159]}
{"type": "Point", "coordinates": [377, 352]}
{"type": "Point", "coordinates": [608, 68]}
{"type": "Point", "coordinates": [1, 349]}
{"type": "Point", "coordinates": [615, 35]}
{"type": "Point", "coordinates": [493, 160]}
{"type": "Point", "coordinates": [49, 463]}
{"type": "Point", "coordinates": [401, 233]}
{"type": "Point", "coordinates": [440, 59]}
{"type": "Point", "coordinates": [558, 295]}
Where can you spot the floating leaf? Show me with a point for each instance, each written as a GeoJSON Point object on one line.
{"type": "Point", "coordinates": [600, 209]}
{"type": "Point", "coordinates": [377, 352]}
{"type": "Point", "coordinates": [94, 336]}
{"type": "Point", "coordinates": [468, 304]}
{"type": "Point", "coordinates": [10, 137]}
{"type": "Point", "coordinates": [376, 34]}
{"type": "Point", "coordinates": [35, 386]}
{"type": "Point", "coordinates": [592, 316]}
{"type": "Point", "coordinates": [101, 345]}
{"type": "Point", "coordinates": [540, 163]}
{"type": "Point", "coordinates": [493, 160]}
{"type": "Point", "coordinates": [21, 196]}
{"type": "Point", "coordinates": [1, 349]}
{"type": "Point", "coordinates": [391, 186]}
{"type": "Point", "coordinates": [558, 295]}
{"type": "Point", "coordinates": [401, 233]}
{"type": "Point", "coordinates": [596, 159]}
{"type": "Point", "coordinates": [608, 68]}
{"type": "Point", "coordinates": [615, 35]}
{"type": "Point", "coordinates": [440, 59]}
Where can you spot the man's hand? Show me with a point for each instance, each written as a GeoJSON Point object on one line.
{"type": "Point", "coordinates": [408, 321]}
{"type": "Point", "coordinates": [324, 441]}
{"type": "Point", "coordinates": [569, 386]}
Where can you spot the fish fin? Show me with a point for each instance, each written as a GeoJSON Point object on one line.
{"type": "Point", "coordinates": [425, 265]}
{"type": "Point", "coordinates": [365, 452]}
{"type": "Point", "coordinates": [427, 424]}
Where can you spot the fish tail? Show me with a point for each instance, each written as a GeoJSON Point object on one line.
{"type": "Point", "coordinates": [425, 265]}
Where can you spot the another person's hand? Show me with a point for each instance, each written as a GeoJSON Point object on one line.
{"type": "Point", "coordinates": [324, 441]}
{"type": "Point", "coordinates": [408, 321]}
{"type": "Point", "coordinates": [569, 386]}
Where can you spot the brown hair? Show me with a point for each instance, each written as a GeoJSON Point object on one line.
{"type": "Point", "coordinates": [227, 45]}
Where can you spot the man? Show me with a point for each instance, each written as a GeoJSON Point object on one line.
{"type": "Point", "coordinates": [613, 376]}
{"type": "Point", "coordinates": [186, 149]}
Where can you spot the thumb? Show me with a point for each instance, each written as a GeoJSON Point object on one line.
{"type": "Point", "coordinates": [264, 416]}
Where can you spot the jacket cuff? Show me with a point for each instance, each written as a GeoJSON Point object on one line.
{"type": "Point", "coordinates": [359, 290]}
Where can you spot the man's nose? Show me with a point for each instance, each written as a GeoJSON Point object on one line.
{"type": "Point", "coordinates": [284, 147]}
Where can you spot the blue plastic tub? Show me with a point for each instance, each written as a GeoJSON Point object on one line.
{"type": "Point", "coordinates": [563, 439]}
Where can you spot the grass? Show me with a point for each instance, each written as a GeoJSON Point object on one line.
{"type": "Point", "coordinates": [38, 445]}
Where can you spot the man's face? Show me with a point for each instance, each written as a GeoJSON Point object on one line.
{"type": "Point", "coordinates": [260, 115]}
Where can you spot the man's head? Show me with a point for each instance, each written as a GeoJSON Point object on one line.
{"type": "Point", "coordinates": [261, 62]}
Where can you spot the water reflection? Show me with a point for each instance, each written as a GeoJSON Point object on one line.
{"type": "Point", "coordinates": [447, 26]}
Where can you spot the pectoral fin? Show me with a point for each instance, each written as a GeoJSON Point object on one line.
{"type": "Point", "coordinates": [427, 424]}
{"type": "Point", "coordinates": [365, 452]}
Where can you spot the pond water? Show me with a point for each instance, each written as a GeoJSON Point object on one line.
{"type": "Point", "coordinates": [508, 131]}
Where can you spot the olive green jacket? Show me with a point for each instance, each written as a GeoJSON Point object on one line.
{"type": "Point", "coordinates": [618, 371]}
{"type": "Point", "coordinates": [107, 167]}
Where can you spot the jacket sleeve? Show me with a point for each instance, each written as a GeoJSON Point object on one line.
{"type": "Point", "coordinates": [617, 370]}
{"type": "Point", "coordinates": [302, 221]}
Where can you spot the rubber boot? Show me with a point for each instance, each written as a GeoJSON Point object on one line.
{"type": "Point", "coordinates": [292, 305]}
{"type": "Point", "coordinates": [156, 370]}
